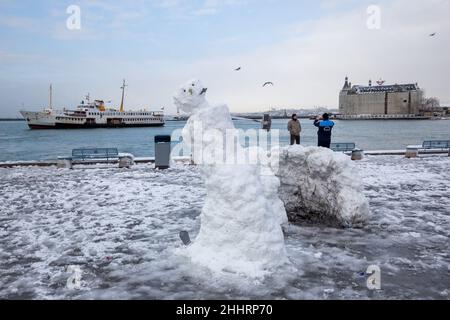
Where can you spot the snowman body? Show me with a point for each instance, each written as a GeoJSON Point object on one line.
{"type": "Point", "coordinates": [241, 219]}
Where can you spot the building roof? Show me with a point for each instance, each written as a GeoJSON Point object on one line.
{"type": "Point", "coordinates": [385, 88]}
{"type": "Point", "coordinates": [379, 88]}
{"type": "Point", "coordinates": [388, 88]}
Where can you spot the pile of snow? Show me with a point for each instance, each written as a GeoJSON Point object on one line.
{"type": "Point", "coordinates": [121, 227]}
{"type": "Point", "coordinates": [320, 185]}
{"type": "Point", "coordinates": [241, 220]}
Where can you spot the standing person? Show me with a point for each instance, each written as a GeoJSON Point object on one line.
{"type": "Point", "coordinates": [294, 128]}
{"type": "Point", "coordinates": [267, 122]}
{"type": "Point", "coordinates": [325, 126]}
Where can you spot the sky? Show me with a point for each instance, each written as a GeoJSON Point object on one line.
{"type": "Point", "coordinates": [306, 48]}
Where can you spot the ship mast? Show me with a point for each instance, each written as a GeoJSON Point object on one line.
{"type": "Point", "coordinates": [123, 95]}
{"type": "Point", "coordinates": [50, 106]}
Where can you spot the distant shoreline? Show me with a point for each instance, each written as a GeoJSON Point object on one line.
{"type": "Point", "coordinates": [12, 119]}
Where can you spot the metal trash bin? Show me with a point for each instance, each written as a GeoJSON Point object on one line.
{"type": "Point", "coordinates": [162, 152]}
{"type": "Point", "coordinates": [412, 152]}
{"type": "Point", "coordinates": [357, 154]}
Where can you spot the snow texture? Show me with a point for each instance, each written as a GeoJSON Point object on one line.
{"type": "Point", "coordinates": [121, 227]}
{"type": "Point", "coordinates": [241, 220]}
{"type": "Point", "coordinates": [321, 186]}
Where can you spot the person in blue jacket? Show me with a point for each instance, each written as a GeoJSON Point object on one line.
{"type": "Point", "coordinates": [325, 126]}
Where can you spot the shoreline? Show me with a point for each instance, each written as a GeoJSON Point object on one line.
{"type": "Point", "coordinates": [151, 160]}
{"type": "Point", "coordinates": [288, 118]}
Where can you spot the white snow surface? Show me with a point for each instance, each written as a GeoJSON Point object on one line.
{"type": "Point", "coordinates": [241, 220]}
{"type": "Point", "coordinates": [320, 185]}
{"type": "Point", "coordinates": [120, 226]}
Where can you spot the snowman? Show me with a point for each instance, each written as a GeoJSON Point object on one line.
{"type": "Point", "coordinates": [242, 217]}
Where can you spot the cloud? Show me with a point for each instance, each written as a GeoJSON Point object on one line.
{"type": "Point", "coordinates": [307, 65]}
{"type": "Point", "coordinates": [212, 7]}
{"type": "Point", "coordinates": [8, 57]}
{"type": "Point", "coordinates": [186, 9]}
{"type": "Point", "coordinates": [17, 22]}
{"type": "Point", "coordinates": [308, 68]}
{"type": "Point", "coordinates": [167, 3]}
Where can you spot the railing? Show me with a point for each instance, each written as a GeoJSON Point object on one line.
{"type": "Point", "coordinates": [95, 153]}
{"type": "Point", "coordinates": [343, 147]}
{"type": "Point", "coordinates": [436, 144]}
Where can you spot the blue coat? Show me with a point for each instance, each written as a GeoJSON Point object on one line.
{"type": "Point", "coordinates": [325, 128]}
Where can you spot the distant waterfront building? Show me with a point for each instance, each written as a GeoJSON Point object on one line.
{"type": "Point", "coordinates": [380, 100]}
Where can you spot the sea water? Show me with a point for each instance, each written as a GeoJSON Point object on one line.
{"type": "Point", "coordinates": [17, 142]}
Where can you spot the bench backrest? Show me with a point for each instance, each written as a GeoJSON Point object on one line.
{"type": "Point", "coordinates": [95, 153]}
{"type": "Point", "coordinates": [347, 146]}
{"type": "Point", "coordinates": [436, 144]}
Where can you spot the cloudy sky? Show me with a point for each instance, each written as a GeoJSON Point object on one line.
{"type": "Point", "coordinates": [305, 47]}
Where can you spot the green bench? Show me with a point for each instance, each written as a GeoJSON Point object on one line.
{"type": "Point", "coordinates": [343, 147]}
{"type": "Point", "coordinates": [436, 144]}
{"type": "Point", "coordinates": [89, 154]}
{"type": "Point", "coordinates": [412, 151]}
{"type": "Point", "coordinates": [95, 155]}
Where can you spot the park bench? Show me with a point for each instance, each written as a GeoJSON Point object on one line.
{"type": "Point", "coordinates": [95, 155]}
{"type": "Point", "coordinates": [413, 151]}
{"type": "Point", "coordinates": [343, 147]}
{"type": "Point", "coordinates": [436, 144]}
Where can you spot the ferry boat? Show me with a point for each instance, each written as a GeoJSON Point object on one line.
{"type": "Point", "coordinates": [92, 115]}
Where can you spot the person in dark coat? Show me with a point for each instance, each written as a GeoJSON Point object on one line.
{"type": "Point", "coordinates": [294, 127]}
{"type": "Point", "coordinates": [325, 126]}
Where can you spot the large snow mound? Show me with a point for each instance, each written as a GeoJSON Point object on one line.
{"type": "Point", "coordinates": [320, 185]}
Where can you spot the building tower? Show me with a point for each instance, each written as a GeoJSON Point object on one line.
{"type": "Point", "coordinates": [346, 84]}
{"type": "Point", "coordinates": [343, 96]}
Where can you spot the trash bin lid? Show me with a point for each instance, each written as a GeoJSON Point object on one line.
{"type": "Point", "coordinates": [159, 139]}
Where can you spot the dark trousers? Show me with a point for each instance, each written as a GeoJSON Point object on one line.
{"type": "Point", "coordinates": [295, 139]}
{"type": "Point", "coordinates": [324, 142]}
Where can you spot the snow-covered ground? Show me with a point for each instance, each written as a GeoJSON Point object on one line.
{"type": "Point", "coordinates": [121, 228]}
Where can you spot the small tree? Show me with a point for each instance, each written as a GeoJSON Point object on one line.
{"type": "Point", "coordinates": [431, 104]}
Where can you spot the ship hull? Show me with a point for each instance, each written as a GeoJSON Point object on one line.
{"type": "Point", "coordinates": [90, 126]}
{"type": "Point", "coordinates": [45, 120]}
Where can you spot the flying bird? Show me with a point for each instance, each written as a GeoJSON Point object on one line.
{"type": "Point", "coordinates": [433, 34]}
{"type": "Point", "coordinates": [238, 69]}
{"type": "Point", "coordinates": [267, 83]}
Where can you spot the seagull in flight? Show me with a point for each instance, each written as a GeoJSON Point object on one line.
{"type": "Point", "coordinates": [267, 83]}
{"type": "Point", "coordinates": [238, 69]}
{"type": "Point", "coordinates": [433, 34]}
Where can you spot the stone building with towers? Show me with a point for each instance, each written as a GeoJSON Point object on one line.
{"type": "Point", "coordinates": [380, 101]}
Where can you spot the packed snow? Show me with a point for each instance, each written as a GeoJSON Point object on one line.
{"type": "Point", "coordinates": [121, 226]}
{"type": "Point", "coordinates": [241, 219]}
{"type": "Point", "coordinates": [320, 185]}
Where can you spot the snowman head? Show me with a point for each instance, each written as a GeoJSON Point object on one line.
{"type": "Point", "coordinates": [190, 96]}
